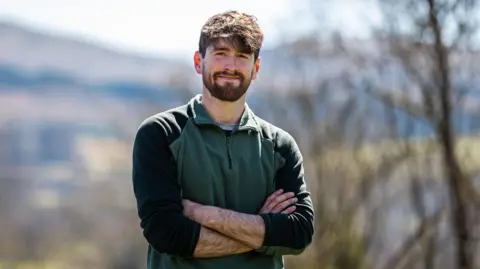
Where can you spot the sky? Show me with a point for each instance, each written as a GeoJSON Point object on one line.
{"type": "Point", "coordinates": [171, 27]}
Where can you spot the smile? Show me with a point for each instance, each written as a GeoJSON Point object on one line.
{"type": "Point", "coordinates": [228, 78]}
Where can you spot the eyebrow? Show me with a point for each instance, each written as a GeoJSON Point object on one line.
{"type": "Point", "coordinates": [225, 48]}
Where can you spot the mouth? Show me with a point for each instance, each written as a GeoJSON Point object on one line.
{"type": "Point", "coordinates": [228, 78]}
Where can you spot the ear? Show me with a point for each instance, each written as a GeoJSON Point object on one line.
{"type": "Point", "coordinates": [256, 68]}
{"type": "Point", "coordinates": [197, 62]}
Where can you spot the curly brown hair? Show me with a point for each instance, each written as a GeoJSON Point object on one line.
{"type": "Point", "coordinates": [237, 29]}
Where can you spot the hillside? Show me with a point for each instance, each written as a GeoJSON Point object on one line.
{"type": "Point", "coordinates": [35, 64]}
{"type": "Point", "coordinates": [36, 51]}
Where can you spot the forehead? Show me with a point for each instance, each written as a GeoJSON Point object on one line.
{"type": "Point", "coordinates": [230, 44]}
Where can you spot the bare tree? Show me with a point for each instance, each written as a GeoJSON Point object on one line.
{"type": "Point", "coordinates": [349, 156]}
{"type": "Point", "coordinates": [415, 51]}
{"type": "Point", "coordinates": [424, 52]}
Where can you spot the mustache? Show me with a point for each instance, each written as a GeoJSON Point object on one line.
{"type": "Point", "coordinates": [230, 74]}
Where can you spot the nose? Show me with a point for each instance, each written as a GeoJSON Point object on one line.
{"type": "Point", "coordinates": [230, 63]}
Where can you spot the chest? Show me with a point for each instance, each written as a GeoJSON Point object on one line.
{"type": "Point", "coordinates": [234, 171]}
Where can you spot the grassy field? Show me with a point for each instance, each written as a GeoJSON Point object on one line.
{"type": "Point", "coordinates": [30, 265]}
{"type": "Point", "coordinates": [420, 154]}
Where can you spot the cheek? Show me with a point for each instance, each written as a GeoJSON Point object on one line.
{"type": "Point", "coordinates": [254, 72]}
{"type": "Point", "coordinates": [250, 73]}
{"type": "Point", "coordinates": [206, 71]}
{"type": "Point", "coordinates": [210, 70]}
{"type": "Point", "coordinates": [215, 65]}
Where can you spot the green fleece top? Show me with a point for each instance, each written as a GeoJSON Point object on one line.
{"type": "Point", "coordinates": [183, 154]}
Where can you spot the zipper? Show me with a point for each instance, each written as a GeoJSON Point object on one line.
{"type": "Point", "coordinates": [228, 151]}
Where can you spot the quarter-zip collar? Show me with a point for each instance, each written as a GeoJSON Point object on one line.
{"type": "Point", "coordinates": [201, 116]}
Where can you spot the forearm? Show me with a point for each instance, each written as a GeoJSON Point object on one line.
{"type": "Point", "coordinates": [213, 244]}
{"type": "Point", "coordinates": [248, 229]}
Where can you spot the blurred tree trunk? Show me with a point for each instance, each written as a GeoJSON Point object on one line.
{"type": "Point", "coordinates": [455, 176]}
{"type": "Point", "coordinates": [431, 20]}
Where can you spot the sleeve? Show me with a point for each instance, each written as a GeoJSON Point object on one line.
{"type": "Point", "coordinates": [158, 194]}
{"type": "Point", "coordinates": [290, 234]}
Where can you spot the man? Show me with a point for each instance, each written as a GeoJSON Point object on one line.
{"type": "Point", "coordinates": [216, 186]}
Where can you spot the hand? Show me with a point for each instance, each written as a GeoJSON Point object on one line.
{"type": "Point", "coordinates": [189, 208]}
{"type": "Point", "coordinates": [278, 202]}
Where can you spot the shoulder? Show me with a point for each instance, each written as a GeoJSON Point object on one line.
{"type": "Point", "coordinates": [282, 139]}
{"type": "Point", "coordinates": [284, 145]}
{"type": "Point", "coordinates": [168, 123]}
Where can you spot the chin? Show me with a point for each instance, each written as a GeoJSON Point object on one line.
{"type": "Point", "coordinates": [230, 98]}
{"type": "Point", "coordinates": [226, 84]}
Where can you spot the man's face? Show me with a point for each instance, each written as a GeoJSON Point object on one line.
{"type": "Point", "coordinates": [226, 72]}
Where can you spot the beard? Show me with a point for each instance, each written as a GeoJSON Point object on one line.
{"type": "Point", "coordinates": [229, 91]}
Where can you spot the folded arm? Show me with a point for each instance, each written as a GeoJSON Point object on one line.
{"type": "Point", "coordinates": [271, 233]}
{"type": "Point", "coordinates": [213, 244]}
{"type": "Point", "coordinates": [248, 229]}
{"type": "Point", "coordinates": [159, 201]}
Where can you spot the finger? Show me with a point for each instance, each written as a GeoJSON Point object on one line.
{"type": "Point", "coordinates": [273, 195]}
{"type": "Point", "coordinates": [285, 204]}
{"type": "Point", "coordinates": [268, 203]}
{"type": "Point", "coordinates": [279, 199]}
{"type": "Point", "coordinates": [289, 210]}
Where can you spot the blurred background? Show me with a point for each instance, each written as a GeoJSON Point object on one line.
{"type": "Point", "coordinates": [382, 96]}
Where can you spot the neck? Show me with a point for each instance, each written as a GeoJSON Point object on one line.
{"type": "Point", "coordinates": [221, 111]}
